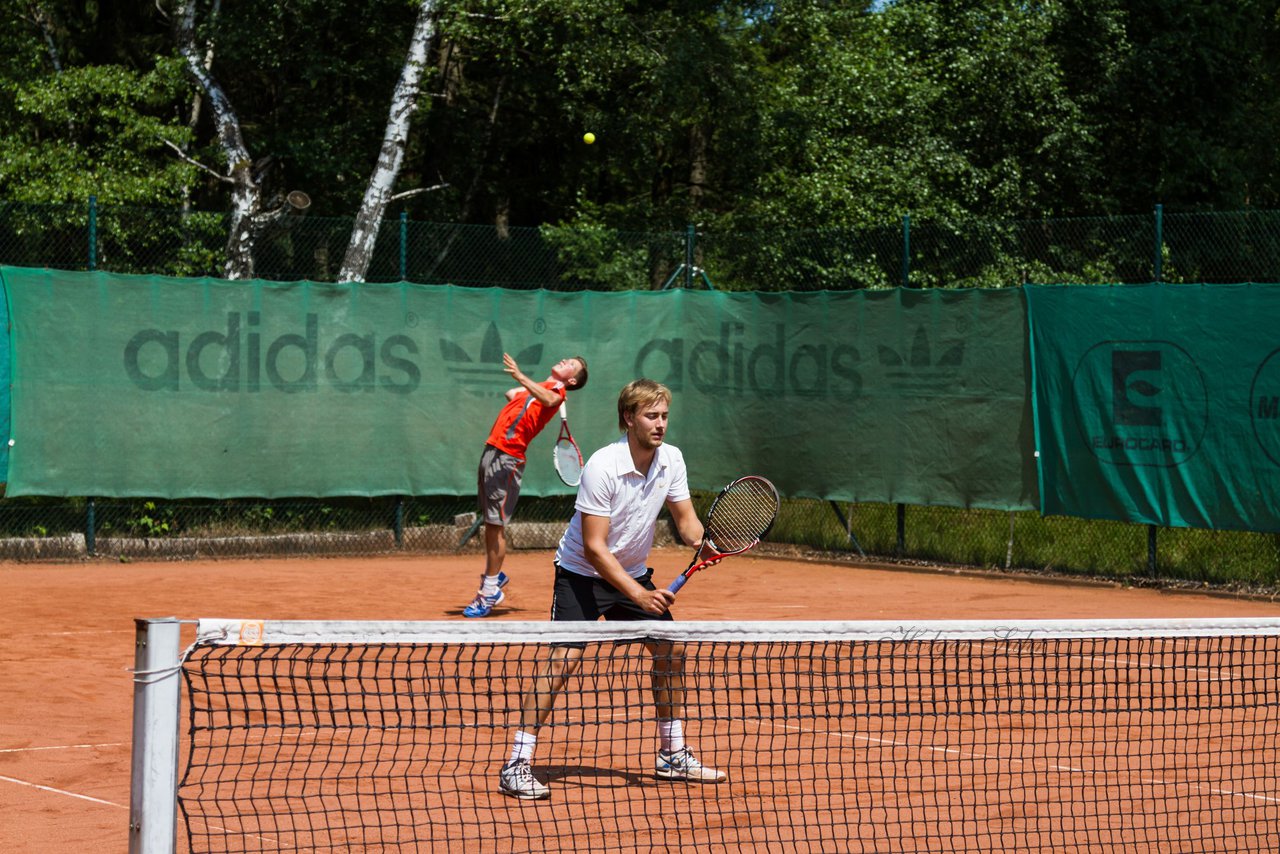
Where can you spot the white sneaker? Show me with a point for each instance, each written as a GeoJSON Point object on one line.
{"type": "Point", "coordinates": [516, 779]}
{"type": "Point", "coordinates": [683, 765]}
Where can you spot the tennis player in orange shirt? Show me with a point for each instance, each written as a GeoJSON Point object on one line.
{"type": "Point", "coordinates": [530, 407]}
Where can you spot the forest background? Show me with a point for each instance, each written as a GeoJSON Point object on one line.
{"type": "Point", "coordinates": [731, 116]}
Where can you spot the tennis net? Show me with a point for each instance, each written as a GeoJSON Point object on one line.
{"type": "Point", "coordinates": [960, 736]}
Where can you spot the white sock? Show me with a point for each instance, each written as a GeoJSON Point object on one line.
{"type": "Point", "coordinates": [671, 734]}
{"type": "Point", "coordinates": [522, 747]}
{"type": "Point", "coordinates": [489, 585]}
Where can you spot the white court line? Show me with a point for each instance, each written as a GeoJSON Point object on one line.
{"type": "Point", "coordinates": [62, 747]}
{"type": "Point", "coordinates": [212, 827]}
{"type": "Point", "coordinates": [79, 632]}
{"type": "Point", "coordinates": [1213, 674]}
{"type": "Point", "coordinates": [62, 792]}
{"type": "Point", "coordinates": [1050, 767]}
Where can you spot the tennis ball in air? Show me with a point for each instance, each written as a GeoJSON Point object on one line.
{"type": "Point", "coordinates": [588, 137]}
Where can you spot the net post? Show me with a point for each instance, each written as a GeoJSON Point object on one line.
{"type": "Point", "coordinates": [153, 801]}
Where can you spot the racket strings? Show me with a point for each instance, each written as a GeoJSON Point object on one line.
{"type": "Point", "coordinates": [568, 462]}
{"type": "Point", "coordinates": [742, 515]}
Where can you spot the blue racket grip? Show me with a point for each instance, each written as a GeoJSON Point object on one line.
{"type": "Point", "coordinates": [675, 586]}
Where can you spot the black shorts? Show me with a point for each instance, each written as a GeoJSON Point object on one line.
{"type": "Point", "coordinates": [580, 598]}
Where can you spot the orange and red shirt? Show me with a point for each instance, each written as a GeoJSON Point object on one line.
{"type": "Point", "coordinates": [522, 419]}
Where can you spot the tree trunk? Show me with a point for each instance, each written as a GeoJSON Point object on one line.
{"type": "Point", "coordinates": [246, 195]}
{"type": "Point", "coordinates": [502, 217]}
{"type": "Point", "coordinates": [364, 234]}
{"type": "Point", "coordinates": [697, 169]}
{"type": "Point", "coordinates": [196, 101]}
{"type": "Point", "coordinates": [40, 16]}
{"type": "Point", "coordinates": [660, 262]}
{"type": "Point", "coordinates": [697, 182]}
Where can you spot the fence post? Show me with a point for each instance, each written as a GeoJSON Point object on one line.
{"type": "Point", "coordinates": [1151, 551]}
{"type": "Point", "coordinates": [398, 525]}
{"type": "Point", "coordinates": [906, 250]}
{"type": "Point", "coordinates": [689, 236]}
{"type": "Point", "coordinates": [93, 232]}
{"type": "Point", "coordinates": [902, 530]}
{"type": "Point", "coordinates": [404, 246]}
{"type": "Point", "coordinates": [1159, 241]}
{"type": "Point", "coordinates": [90, 526]}
{"type": "Point", "coordinates": [847, 524]}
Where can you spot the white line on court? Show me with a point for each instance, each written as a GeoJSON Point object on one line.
{"type": "Point", "coordinates": [1211, 674]}
{"type": "Point", "coordinates": [62, 747]}
{"type": "Point", "coordinates": [210, 826]}
{"type": "Point", "coordinates": [1229, 793]}
{"type": "Point", "coordinates": [78, 632]}
{"type": "Point", "coordinates": [62, 792]}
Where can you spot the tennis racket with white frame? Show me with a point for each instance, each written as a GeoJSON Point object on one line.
{"type": "Point", "coordinates": [738, 520]}
{"type": "Point", "coordinates": [566, 455]}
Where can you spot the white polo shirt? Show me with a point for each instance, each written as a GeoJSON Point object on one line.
{"type": "Point", "coordinates": [612, 487]}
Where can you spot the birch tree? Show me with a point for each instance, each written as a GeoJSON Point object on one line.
{"type": "Point", "coordinates": [378, 194]}
{"type": "Point", "coordinates": [249, 215]}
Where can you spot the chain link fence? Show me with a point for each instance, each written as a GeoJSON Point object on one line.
{"type": "Point", "coordinates": [1024, 542]}
{"type": "Point", "coordinates": [1241, 246]}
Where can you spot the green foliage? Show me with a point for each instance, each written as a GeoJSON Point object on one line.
{"type": "Point", "coordinates": [598, 257]}
{"type": "Point", "coordinates": [1054, 545]}
{"type": "Point", "coordinates": [93, 130]}
{"type": "Point", "coordinates": [311, 82]}
{"type": "Point", "coordinates": [734, 116]}
{"type": "Point", "coordinates": [152, 520]}
{"type": "Point", "coordinates": [1190, 103]}
{"type": "Point", "coordinates": [945, 110]}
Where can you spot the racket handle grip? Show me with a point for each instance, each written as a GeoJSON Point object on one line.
{"type": "Point", "coordinates": [675, 586]}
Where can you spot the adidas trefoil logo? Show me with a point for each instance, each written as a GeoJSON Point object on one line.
{"type": "Point", "coordinates": [919, 371]}
{"type": "Point", "coordinates": [480, 370]}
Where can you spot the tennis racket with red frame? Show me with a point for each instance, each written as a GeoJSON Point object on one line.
{"type": "Point", "coordinates": [567, 457]}
{"type": "Point", "coordinates": [738, 520]}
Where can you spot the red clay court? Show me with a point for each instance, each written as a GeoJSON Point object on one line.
{"type": "Point", "coordinates": [68, 635]}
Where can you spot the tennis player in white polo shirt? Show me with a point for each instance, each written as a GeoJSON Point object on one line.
{"type": "Point", "coordinates": [601, 572]}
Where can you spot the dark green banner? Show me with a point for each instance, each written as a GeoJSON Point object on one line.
{"type": "Point", "coordinates": [151, 386]}
{"type": "Point", "coordinates": [1159, 403]}
{"type": "Point", "coordinates": [6, 402]}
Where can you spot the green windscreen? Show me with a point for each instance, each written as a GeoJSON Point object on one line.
{"type": "Point", "coordinates": [151, 386]}
{"type": "Point", "coordinates": [1159, 403]}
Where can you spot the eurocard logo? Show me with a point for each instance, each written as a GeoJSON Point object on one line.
{"type": "Point", "coordinates": [1140, 403]}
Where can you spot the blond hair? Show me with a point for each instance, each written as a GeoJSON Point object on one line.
{"type": "Point", "coordinates": [638, 394]}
